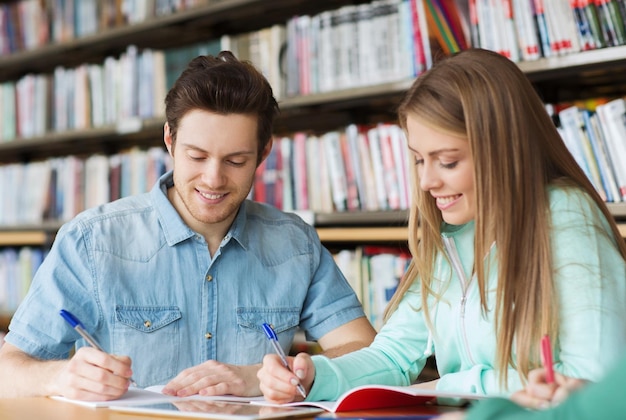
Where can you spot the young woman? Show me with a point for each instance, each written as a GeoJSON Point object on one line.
{"type": "Point", "coordinates": [514, 243]}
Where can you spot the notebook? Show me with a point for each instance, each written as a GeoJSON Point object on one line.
{"type": "Point", "coordinates": [152, 395]}
{"type": "Point", "coordinates": [369, 397]}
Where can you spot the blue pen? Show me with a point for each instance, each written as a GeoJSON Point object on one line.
{"type": "Point", "coordinates": [80, 329]}
{"type": "Point", "coordinates": [271, 335]}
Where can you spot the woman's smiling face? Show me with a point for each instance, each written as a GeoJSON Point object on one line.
{"type": "Point", "coordinates": [445, 169]}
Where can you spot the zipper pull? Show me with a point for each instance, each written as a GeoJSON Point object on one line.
{"type": "Point", "coordinates": [463, 300]}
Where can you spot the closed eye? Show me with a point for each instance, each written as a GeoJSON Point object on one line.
{"type": "Point", "coordinates": [236, 163]}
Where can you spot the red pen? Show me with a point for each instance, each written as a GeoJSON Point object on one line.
{"type": "Point", "coordinates": [546, 358]}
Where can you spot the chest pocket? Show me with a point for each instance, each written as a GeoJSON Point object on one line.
{"type": "Point", "coordinates": [150, 336]}
{"type": "Point", "coordinates": [252, 343]}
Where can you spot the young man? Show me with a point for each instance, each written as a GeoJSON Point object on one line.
{"type": "Point", "coordinates": [180, 280]}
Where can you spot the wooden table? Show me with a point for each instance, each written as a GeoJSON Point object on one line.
{"type": "Point", "coordinates": [48, 409]}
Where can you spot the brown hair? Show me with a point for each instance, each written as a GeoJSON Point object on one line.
{"type": "Point", "coordinates": [223, 85]}
{"type": "Point", "coordinates": [517, 152]}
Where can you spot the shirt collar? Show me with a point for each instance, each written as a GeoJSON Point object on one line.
{"type": "Point", "coordinates": [237, 230]}
{"type": "Point", "coordinates": [175, 229]}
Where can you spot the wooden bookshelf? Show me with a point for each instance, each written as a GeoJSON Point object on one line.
{"type": "Point", "coordinates": [358, 227]}
{"type": "Point", "coordinates": [363, 234]}
{"type": "Point", "coordinates": [23, 238]}
{"type": "Point", "coordinates": [563, 76]}
{"type": "Point", "coordinates": [184, 27]}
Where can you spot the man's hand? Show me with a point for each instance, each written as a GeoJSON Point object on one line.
{"type": "Point", "coordinates": [540, 394]}
{"type": "Point", "coordinates": [278, 384]}
{"type": "Point", "coordinates": [92, 375]}
{"type": "Point", "coordinates": [215, 378]}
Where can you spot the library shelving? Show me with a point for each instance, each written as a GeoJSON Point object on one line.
{"type": "Point", "coordinates": [564, 77]}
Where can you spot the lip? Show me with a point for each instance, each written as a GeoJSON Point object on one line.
{"type": "Point", "coordinates": [203, 197]}
{"type": "Point", "coordinates": [446, 206]}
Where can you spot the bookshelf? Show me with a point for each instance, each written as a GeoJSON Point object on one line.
{"type": "Point", "coordinates": [564, 77]}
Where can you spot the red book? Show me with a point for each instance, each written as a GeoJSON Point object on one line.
{"type": "Point", "coordinates": [369, 397]}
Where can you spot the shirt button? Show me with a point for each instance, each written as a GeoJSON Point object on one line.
{"type": "Point", "coordinates": [209, 277]}
{"type": "Point", "coordinates": [147, 323]}
{"type": "Point", "coordinates": [208, 336]}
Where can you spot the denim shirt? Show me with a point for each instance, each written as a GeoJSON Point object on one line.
{"type": "Point", "coordinates": [144, 284]}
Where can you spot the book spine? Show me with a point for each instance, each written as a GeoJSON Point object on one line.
{"type": "Point", "coordinates": [589, 10]}
{"type": "Point", "coordinates": [542, 26]}
{"type": "Point", "coordinates": [337, 171]}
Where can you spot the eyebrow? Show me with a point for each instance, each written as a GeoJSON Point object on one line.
{"type": "Point", "coordinates": [435, 152]}
{"type": "Point", "coordinates": [239, 153]}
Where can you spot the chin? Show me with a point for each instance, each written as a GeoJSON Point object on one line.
{"type": "Point", "coordinates": [457, 220]}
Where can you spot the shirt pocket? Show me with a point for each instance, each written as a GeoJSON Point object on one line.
{"type": "Point", "coordinates": [150, 336]}
{"type": "Point", "coordinates": [252, 343]}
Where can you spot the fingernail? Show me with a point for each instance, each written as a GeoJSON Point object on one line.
{"type": "Point", "coordinates": [294, 381]}
{"type": "Point", "coordinates": [167, 391]}
{"type": "Point", "coordinates": [544, 405]}
{"type": "Point", "coordinates": [300, 373]}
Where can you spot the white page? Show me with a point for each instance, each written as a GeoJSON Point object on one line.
{"type": "Point", "coordinates": [151, 395]}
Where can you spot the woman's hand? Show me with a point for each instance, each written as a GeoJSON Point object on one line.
{"type": "Point", "coordinates": [278, 384]}
{"type": "Point", "coordinates": [540, 394]}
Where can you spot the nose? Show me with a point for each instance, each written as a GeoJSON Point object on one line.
{"type": "Point", "coordinates": [213, 174]}
{"type": "Point", "coordinates": [428, 177]}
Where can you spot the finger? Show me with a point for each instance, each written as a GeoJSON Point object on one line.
{"type": "Point", "coordinates": [85, 381]}
{"type": "Point", "coordinates": [278, 393]}
{"type": "Point", "coordinates": [275, 368]}
{"type": "Point", "coordinates": [117, 365]}
{"type": "Point", "coordinates": [568, 382]}
{"type": "Point", "coordinates": [275, 381]}
{"type": "Point", "coordinates": [524, 399]}
{"type": "Point", "coordinates": [304, 369]}
{"type": "Point", "coordinates": [537, 376]}
{"type": "Point", "coordinates": [120, 366]}
{"type": "Point", "coordinates": [560, 395]}
{"type": "Point", "coordinates": [178, 386]}
{"type": "Point", "coordinates": [209, 378]}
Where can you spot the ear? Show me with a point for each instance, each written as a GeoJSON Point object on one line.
{"type": "Point", "coordinates": [167, 138]}
{"type": "Point", "coordinates": [266, 150]}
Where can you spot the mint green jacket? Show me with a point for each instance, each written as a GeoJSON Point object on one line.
{"type": "Point", "coordinates": [602, 400]}
{"type": "Point", "coordinates": [590, 277]}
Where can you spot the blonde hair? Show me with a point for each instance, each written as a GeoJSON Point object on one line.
{"type": "Point", "coordinates": [517, 152]}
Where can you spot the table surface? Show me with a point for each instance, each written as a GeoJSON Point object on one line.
{"type": "Point", "coordinates": [48, 409]}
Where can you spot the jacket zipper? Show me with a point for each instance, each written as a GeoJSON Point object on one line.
{"type": "Point", "coordinates": [456, 265]}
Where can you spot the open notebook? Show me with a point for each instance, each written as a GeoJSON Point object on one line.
{"type": "Point", "coordinates": [369, 397]}
{"type": "Point", "coordinates": [153, 395]}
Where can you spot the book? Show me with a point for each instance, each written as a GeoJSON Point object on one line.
{"type": "Point", "coordinates": [388, 417]}
{"type": "Point", "coordinates": [601, 154]}
{"type": "Point", "coordinates": [368, 397]}
{"type": "Point", "coordinates": [337, 171]}
{"type": "Point", "coordinates": [613, 129]}
{"type": "Point", "coordinates": [152, 395]}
